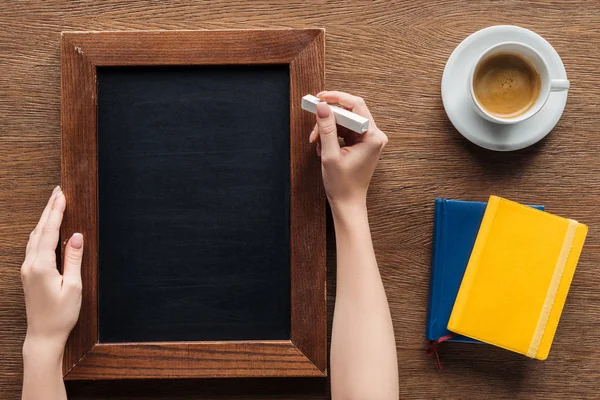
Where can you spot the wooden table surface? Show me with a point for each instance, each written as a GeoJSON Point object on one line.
{"type": "Point", "coordinates": [392, 54]}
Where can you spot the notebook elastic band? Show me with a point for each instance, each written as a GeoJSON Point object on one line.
{"type": "Point", "coordinates": [551, 294]}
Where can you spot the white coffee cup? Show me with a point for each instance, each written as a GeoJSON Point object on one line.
{"type": "Point", "coordinates": [548, 84]}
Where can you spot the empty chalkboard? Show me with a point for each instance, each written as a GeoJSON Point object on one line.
{"type": "Point", "coordinates": [186, 165]}
{"type": "Point", "coordinates": [193, 203]}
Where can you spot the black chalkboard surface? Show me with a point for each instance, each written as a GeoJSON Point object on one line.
{"type": "Point", "coordinates": [193, 203]}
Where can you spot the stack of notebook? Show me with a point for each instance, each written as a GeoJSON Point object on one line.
{"type": "Point", "coordinates": [500, 273]}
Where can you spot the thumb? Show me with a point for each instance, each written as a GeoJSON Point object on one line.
{"type": "Point", "coordinates": [73, 257]}
{"type": "Point", "coordinates": [330, 146]}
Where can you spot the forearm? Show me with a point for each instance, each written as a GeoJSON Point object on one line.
{"type": "Point", "coordinates": [363, 348]}
{"type": "Point", "coordinates": [42, 371]}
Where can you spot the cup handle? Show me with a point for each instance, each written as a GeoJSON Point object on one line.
{"type": "Point", "coordinates": [558, 85]}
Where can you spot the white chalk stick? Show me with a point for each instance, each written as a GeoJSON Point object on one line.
{"type": "Point", "coordinates": [343, 117]}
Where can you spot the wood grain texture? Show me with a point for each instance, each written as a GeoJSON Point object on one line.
{"type": "Point", "coordinates": [81, 53]}
{"type": "Point", "coordinates": [191, 360]}
{"type": "Point", "coordinates": [393, 55]}
{"type": "Point", "coordinates": [79, 180]}
{"type": "Point", "coordinates": [190, 48]}
{"type": "Point", "coordinates": [307, 211]}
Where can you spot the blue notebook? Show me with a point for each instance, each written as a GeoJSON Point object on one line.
{"type": "Point", "coordinates": [455, 227]}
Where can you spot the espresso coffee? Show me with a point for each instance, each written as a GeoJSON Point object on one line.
{"type": "Point", "coordinates": [506, 85]}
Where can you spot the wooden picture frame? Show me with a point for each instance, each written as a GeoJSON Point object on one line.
{"type": "Point", "coordinates": [305, 354]}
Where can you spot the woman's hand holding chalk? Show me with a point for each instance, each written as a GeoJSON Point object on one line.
{"type": "Point", "coordinates": [346, 167]}
{"type": "Point", "coordinates": [345, 118]}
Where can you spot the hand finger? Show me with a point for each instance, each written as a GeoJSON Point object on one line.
{"type": "Point", "coordinates": [314, 134]}
{"type": "Point", "coordinates": [50, 231]}
{"type": "Point", "coordinates": [47, 209]}
{"type": "Point", "coordinates": [35, 234]}
{"type": "Point", "coordinates": [330, 146]}
{"type": "Point", "coordinates": [353, 103]}
{"type": "Point", "coordinates": [350, 137]}
{"type": "Point", "coordinates": [73, 257]}
{"type": "Point", "coordinates": [375, 139]}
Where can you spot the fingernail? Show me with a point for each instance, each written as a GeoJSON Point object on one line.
{"type": "Point", "coordinates": [323, 110]}
{"type": "Point", "coordinates": [321, 93]}
{"type": "Point", "coordinates": [56, 189]}
{"type": "Point", "coordinates": [77, 241]}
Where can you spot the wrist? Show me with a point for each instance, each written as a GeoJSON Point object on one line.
{"type": "Point", "coordinates": [347, 212]}
{"type": "Point", "coordinates": [43, 351]}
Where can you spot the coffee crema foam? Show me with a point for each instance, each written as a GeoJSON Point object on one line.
{"type": "Point", "coordinates": [506, 85]}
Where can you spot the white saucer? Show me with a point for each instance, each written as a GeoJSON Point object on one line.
{"type": "Point", "coordinates": [459, 106]}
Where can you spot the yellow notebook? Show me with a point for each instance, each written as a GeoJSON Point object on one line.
{"type": "Point", "coordinates": [518, 277]}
